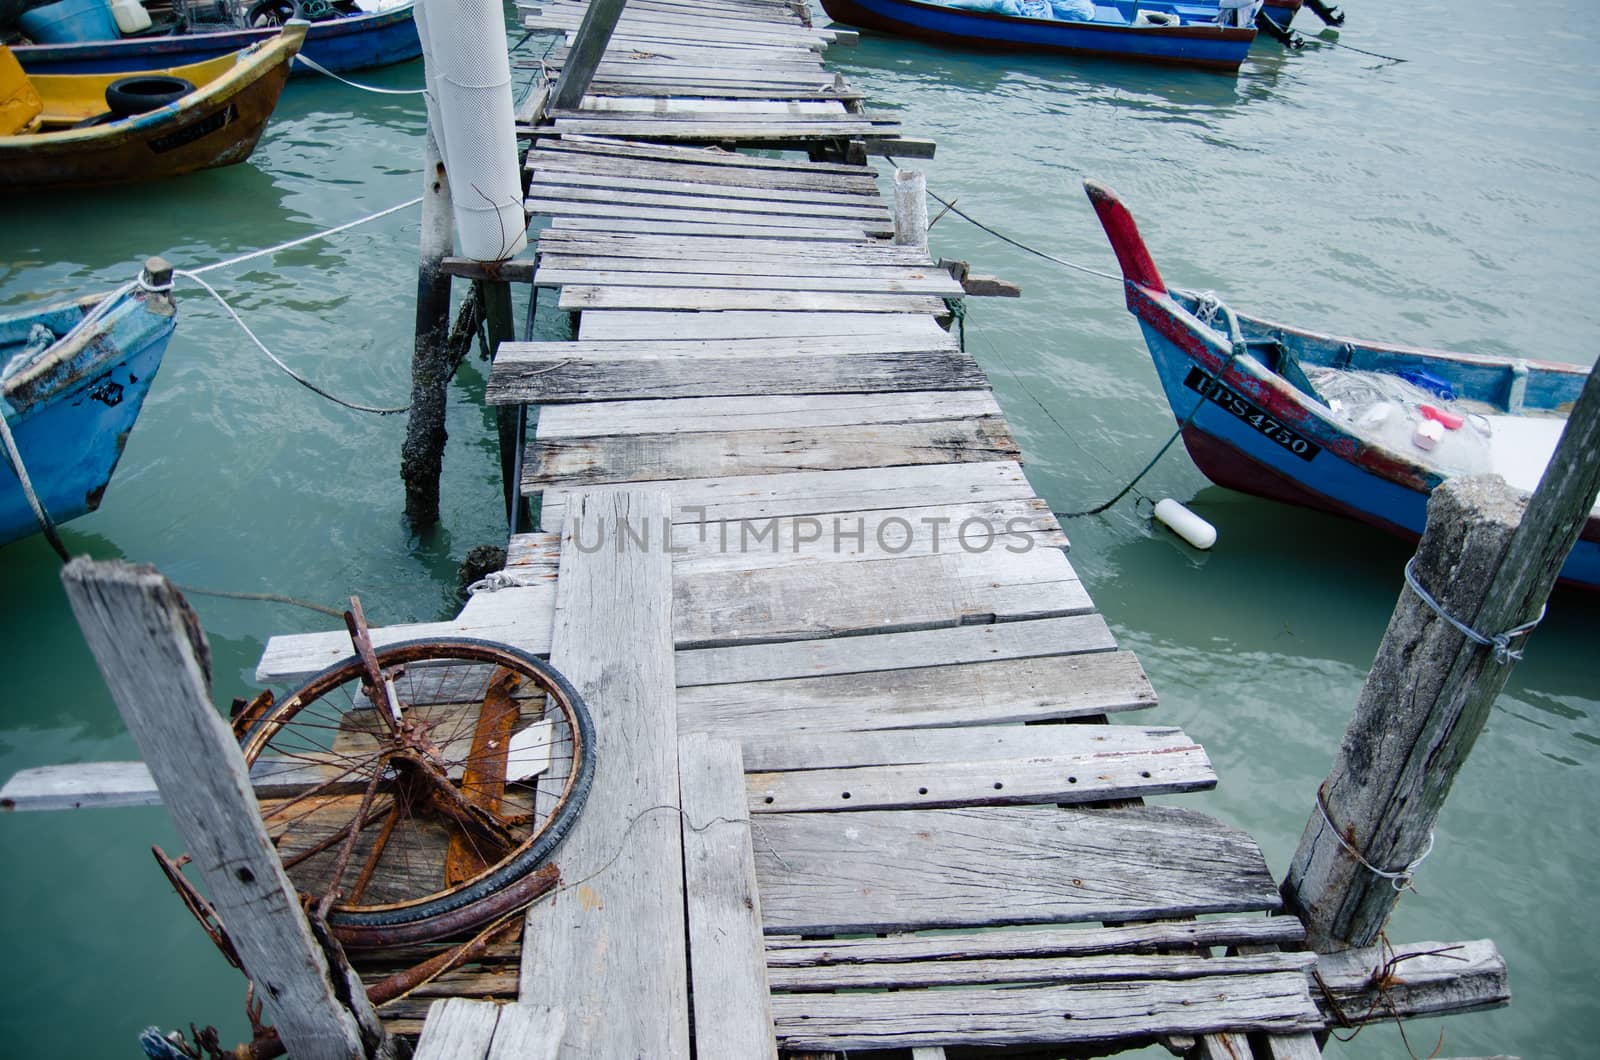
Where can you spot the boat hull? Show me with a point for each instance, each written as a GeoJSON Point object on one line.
{"type": "Point", "coordinates": [1206, 47]}
{"type": "Point", "coordinates": [1247, 435]}
{"type": "Point", "coordinates": [216, 125]}
{"type": "Point", "coordinates": [71, 424]}
{"type": "Point", "coordinates": [340, 45]}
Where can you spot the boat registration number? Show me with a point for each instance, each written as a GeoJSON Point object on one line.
{"type": "Point", "coordinates": [1244, 409]}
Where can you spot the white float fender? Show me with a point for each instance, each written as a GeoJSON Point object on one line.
{"type": "Point", "coordinates": [469, 82]}
{"type": "Point", "coordinates": [1186, 524]}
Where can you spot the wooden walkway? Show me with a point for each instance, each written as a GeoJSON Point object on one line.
{"type": "Point", "coordinates": [863, 695]}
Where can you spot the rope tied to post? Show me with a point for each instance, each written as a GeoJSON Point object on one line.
{"type": "Point", "coordinates": [1403, 879]}
{"type": "Point", "coordinates": [1499, 643]}
{"type": "Point", "coordinates": [1207, 310]}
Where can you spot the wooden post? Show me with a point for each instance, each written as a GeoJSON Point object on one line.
{"type": "Point", "coordinates": [154, 658]}
{"type": "Point", "coordinates": [1490, 565]}
{"type": "Point", "coordinates": [422, 452]}
{"type": "Point", "coordinates": [501, 326]}
{"type": "Point", "coordinates": [911, 208]}
{"type": "Point", "coordinates": [594, 33]}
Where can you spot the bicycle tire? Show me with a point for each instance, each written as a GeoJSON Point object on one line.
{"type": "Point", "coordinates": [387, 921]}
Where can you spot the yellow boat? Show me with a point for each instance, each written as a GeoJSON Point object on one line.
{"type": "Point", "coordinates": [56, 129]}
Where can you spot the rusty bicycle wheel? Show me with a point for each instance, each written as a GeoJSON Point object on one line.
{"type": "Point", "coordinates": [424, 802]}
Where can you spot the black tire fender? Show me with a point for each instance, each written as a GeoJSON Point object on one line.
{"type": "Point", "coordinates": [142, 93]}
{"type": "Point", "coordinates": [271, 13]}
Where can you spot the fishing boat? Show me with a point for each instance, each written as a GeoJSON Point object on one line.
{"type": "Point", "coordinates": [349, 38]}
{"type": "Point", "coordinates": [65, 136]}
{"type": "Point", "coordinates": [73, 378]}
{"type": "Point", "coordinates": [1345, 426]}
{"type": "Point", "coordinates": [1184, 34]}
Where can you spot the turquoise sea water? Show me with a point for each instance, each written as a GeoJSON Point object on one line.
{"type": "Point", "coordinates": [1449, 200]}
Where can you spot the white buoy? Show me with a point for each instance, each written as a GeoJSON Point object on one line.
{"type": "Point", "coordinates": [1186, 524]}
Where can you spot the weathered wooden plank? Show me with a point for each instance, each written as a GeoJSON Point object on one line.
{"type": "Point", "coordinates": [838, 873]}
{"type": "Point", "coordinates": [551, 276]}
{"type": "Point", "coordinates": [666, 325]}
{"type": "Point", "coordinates": [1100, 968]}
{"type": "Point", "coordinates": [1429, 979]}
{"type": "Point", "coordinates": [645, 245]}
{"type": "Point", "coordinates": [894, 651]}
{"type": "Point", "coordinates": [879, 747]}
{"type": "Point", "coordinates": [832, 492]}
{"type": "Point", "coordinates": [555, 183]}
{"type": "Point", "coordinates": [740, 16]}
{"type": "Point", "coordinates": [1101, 1012]}
{"type": "Point", "coordinates": [566, 208]}
{"type": "Point", "coordinates": [668, 197]}
{"type": "Point", "coordinates": [672, 89]}
{"type": "Point", "coordinates": [657, 24]}
{"type": "Point", "coordinates": [630, 75]}
{"type": "Point", "coordinates": [564, 379]}
{"type": "Point", "coordinates": [649, 457]}
{"type": "Point", "coordinates": [655, 106]}
{"type": "Point", "coordinates": [732, 1003]}
{"type": "Point", "coordinates": [94, 785]}
{"type": "Point", "coordinates": [618, 937]}
{"type": "Point", "coordinates": [1021, 525]}
{"type": "Point", "coordinates": [1223, 1045]}
{"type": "Point", "coordinates": [787, 952]}
{"type": "Point", "coordinates": [808, 600]}
{"type": "Point", "coordinates": [458, 1029]}
{"type": "Point", "coordinates": [528, 1032]}
{"type": "Point", "coordinates": [715, 131]}
{"type": "Point", "coordinates": [600, 145]}
{"type": "Point", "coordinates": [577, 298]}
{"type": "Point", "coordinates": [594, 222]}
{"type": "Point", "coordinates": [782, 411]}
{"type": "Point", "coordinates": [518, 616]}
{"type": "Point", "coordinates": [553, 162]}
{"type": "Point", "coordinates": [1038, 779]}
{"type": "Point", "coordinates": [737, 265]}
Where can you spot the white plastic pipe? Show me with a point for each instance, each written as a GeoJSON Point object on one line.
{"type": "Point", "coordinates": [1186, 524]}
{"type": "Point", "coordinates": [468, 74]}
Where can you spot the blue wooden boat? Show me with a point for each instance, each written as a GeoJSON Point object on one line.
{"type": "Point", "coordinates": [1349, 427]}
{"type": "Point", "coordinates": [1187, 33]}
{"type": "Point", "coordinates": [348, 42]}
{"type": "Point", "coordinates": [72, 380]}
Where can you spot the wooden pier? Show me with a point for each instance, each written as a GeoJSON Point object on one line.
{"type": "Point", "coordinates": [858, 786]}
{"type": "Point", "coordinates": [858, 692]}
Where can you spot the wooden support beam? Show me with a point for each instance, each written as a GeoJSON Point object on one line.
{"type": "Point", "coordinates": [594, 33]}
{"type": "Point", "coordinates": [513, 270]}
{"type": "Point", "coordinates": [911, 208]}
{"type": "Point", "coordinates": [1490, 563]}
{"type": "Point", "coordinates": [501, 328]}
{"type": "Point", "coordinates": [422, 453]}
{"type": "Point", "coordinates": [154, 658]}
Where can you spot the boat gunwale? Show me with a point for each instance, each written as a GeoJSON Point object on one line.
{"type": "Point", "coordinates": [251, 65]}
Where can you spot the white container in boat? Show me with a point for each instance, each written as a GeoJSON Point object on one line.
{"type": "Point", "coordinates": [1186, 524]}
{"type": "Point", "coordinates": [130, 15]}
{"type": "Point", "coordinates": [1427, 434]}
